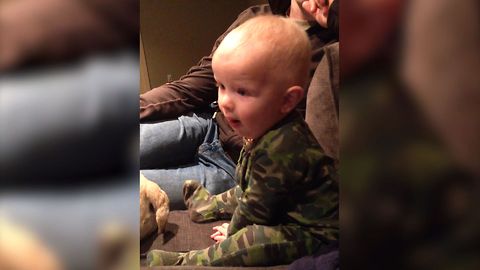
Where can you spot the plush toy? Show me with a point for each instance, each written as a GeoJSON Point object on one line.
{"type": "Point", "coordinates": [153, 207]}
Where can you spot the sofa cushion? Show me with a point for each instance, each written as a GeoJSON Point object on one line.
{"type": "Point", "coordinates": [181, 234]}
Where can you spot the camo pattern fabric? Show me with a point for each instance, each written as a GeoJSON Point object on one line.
{"type": "Point", "coordinates": [203, 207]}
{"type": "Point", "coordinates": [254, 245]}
{"type": "Point", "coordinates": [285, 205]}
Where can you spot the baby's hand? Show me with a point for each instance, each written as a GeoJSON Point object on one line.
{"type": "Point", "coordinates": [221, 233]}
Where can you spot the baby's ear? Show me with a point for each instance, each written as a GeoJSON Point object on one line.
{"type": "Point", "coordinates": [291, 98]}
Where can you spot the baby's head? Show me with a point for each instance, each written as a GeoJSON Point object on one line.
{"type": "Point", "coordinates": [261, 68]}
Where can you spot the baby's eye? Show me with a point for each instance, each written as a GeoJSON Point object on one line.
{"type": "Point", "coordinates": [242, 92]}
{"type": "Point", "coordinates": [220, 86]}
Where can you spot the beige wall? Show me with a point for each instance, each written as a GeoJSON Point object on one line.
{"type": "Point", "coordinates": [175, 34]}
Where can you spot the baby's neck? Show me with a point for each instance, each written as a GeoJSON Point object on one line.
{"type": "Point", "coordinates": [249, 142]}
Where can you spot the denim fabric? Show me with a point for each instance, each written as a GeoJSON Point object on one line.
{"type": "Point", "coordinates": [186, 148]}
{"type": "Point", "coordinates": [171, 143]}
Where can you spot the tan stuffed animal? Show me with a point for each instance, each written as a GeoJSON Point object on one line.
{"type": "Point", "coordinates": [153, 207]}
{"type": "Point", "coordinates": [21, 249]}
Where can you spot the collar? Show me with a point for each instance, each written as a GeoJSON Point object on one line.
{"type": "Point", "coordinates": [248, 144]}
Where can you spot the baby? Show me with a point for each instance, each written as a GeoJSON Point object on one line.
{"type": "Point", "coordinates": [285, 205]}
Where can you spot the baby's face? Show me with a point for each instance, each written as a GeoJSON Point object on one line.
{"type": "Point", "coordinates": [250, 99]}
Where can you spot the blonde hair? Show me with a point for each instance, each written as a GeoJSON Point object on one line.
{"type": "Point", "coordinates": [285, 47]}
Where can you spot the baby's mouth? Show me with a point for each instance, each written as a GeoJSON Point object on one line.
{"type": "Point", "coordinates": [233, 122]}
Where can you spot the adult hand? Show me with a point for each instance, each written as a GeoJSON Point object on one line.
{"type": "Point", "coordinates": [221, 233]}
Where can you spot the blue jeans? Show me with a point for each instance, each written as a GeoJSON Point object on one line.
{"type": "Point", "coordinates": [185, 148]}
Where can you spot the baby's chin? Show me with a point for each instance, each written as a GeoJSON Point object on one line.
{"type": "Point", "coordinates": [251, 136]}
{"type": "Point", "coordinates": [246, 133]}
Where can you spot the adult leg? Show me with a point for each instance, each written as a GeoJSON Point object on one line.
{"type": "Point", "coordinates": [171, 143]}
{"type": "Point", "coordinates": [253, 245]}
{"type": "Point", "coordinates": [211, 167]}
{"type": "Point", "coordinates": [171, 181]}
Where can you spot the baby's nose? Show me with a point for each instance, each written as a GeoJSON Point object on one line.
{"type": "Point", "coordinates": [225, 102]}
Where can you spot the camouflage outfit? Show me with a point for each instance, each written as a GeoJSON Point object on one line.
{"type": "Point", "coordinates": [285, 205]}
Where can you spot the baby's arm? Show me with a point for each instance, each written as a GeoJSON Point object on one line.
{"type": "Point", "coordinates": [204, 207]}
{"type": "Point", "coordinates": [264, 196]}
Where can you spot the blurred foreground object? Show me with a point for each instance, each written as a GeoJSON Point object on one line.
{"type": "Point", "coordinates": [70, 221]}
{"type": "Point", "coordinates": [410, 135]}
{"type": "Point", "coordinates": [119, 249]}
{"type": "Point", "coordinates": [21, 249]}
{"type": "Point", "coordinates": [65, 126]}
{"type": "Point", "coordinates": [153, 207]}
{"type": "Point", "coordinates": [68, 140]}
{"type": "Point", "coordinates": [68, 122]}
{"type": "Point", "coordinates": [47, 31]}
{"type": "Point", "coordinates": [442, 67]}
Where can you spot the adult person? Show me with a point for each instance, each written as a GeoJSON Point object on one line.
{"type": "Point", "coordinates": [187, 144]}
{"type": "Point", "coordinates": [322, 112]}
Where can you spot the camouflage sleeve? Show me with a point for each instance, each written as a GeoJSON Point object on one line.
{"type": "Point", "coordinates": [263, 196]}
{"type": "Point", "coordinates": [204, 207]}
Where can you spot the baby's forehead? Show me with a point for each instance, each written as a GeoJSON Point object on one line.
{"type": "Point", "coordinates": [247, 40]}
{"type": "Point", "coordinates": [247, 48]}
